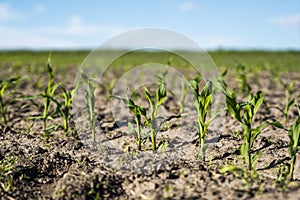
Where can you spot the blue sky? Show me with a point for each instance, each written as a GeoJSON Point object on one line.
{"type": "Point", "coordinates": [231, 24]}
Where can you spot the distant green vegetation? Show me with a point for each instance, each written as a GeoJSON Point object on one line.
{"type": "Point", "coordinates": [63, 60]}
{"type": "Point", "coordinates": [277, 60]}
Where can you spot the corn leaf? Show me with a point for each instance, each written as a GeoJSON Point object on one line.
{"type": "Point", "coordinates": [258, 100]}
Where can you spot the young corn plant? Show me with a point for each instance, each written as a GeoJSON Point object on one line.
{"type": "Point", "coordinates": [241, 173]}
{"type": "Point", "coordinates": [282, 177]}
{"type": "Point", "coordinates": [183, 95]}
{"type": "Point", "coordinates": [202, 103]}
{"type": "Point", "coordinates": [244, 113]}
{"type": "Point", "coordinates": [65, 106]}
{"type": "Point", "coordinates": [244, 87]}
{"type": "Point", "coordinates": [51, 105]}
{"type": "Point", "coordinates": [138, 112]}
{"type": "Point", "coordinates": [151, 121]}
{"type": "Point", "coordinates": [6, 166]}
{"type": "Point", "coordinates": [90, 101]}
{"type": "Point", "coordinates": [294, 148]}
{"type": "Point", "coordinates": [289, 101]}
{"type": "Point", "coordinates": [150, 116]}
{"type": "Point", "coordinates": [48, 98]}
{"type": "Point", "coordinates": [3, 104]}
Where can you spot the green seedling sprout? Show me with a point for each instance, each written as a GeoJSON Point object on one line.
{"type": "Point", "coordinates": [202, 103]}
{"type": "Point", "coordinates": [183, 95]}
{"type": "Point", "coordinates": [161, 94]}
{"type": "Point", "coordinates": [241, 173]}
{"type": "Point", "coordinates": [294, 135]}
{"type": "Point", "coordinates": [3, 104]}
{"type": "Point", "coordinates": [150, 119]}
{"type": "Point", "coordinates": [138, 112]}
{"type": "Point", "coordinates": [7, 186]}
{"type": "Point", "coordinates": [6, 166]}
{"type": "Point", "coordinates": [281, 180]}
{"type": "Point", "coordinates": [244, 113]}
{"type": "Point", "coordinates": [65, 106]}
{"type": "Point", "coordinates": [289, 101]}
{"type": "Point", "coordinates": [111, 85]}
{"type": "Point", "coordinates": [48, 97]}
{"type": "Point", "coordinates": [244, 87]}
{"type": "Point", "coordinates": [51, 105]}
{"type": "Point", "coordinates": [90, 101]}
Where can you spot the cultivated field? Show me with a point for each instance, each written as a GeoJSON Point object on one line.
{"type": "Point", "coordinates": [166, 146]}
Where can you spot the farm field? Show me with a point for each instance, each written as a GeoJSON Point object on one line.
{"type": "Point", "coordinates": [255, 155]}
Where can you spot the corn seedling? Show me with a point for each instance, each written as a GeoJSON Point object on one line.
{"type": "Point", "coordinates": [3, 104]}
{"type": "Point", "coordinates": [223, 76]}
{"type": "Point", "coordinates": [90, 101]}
{"type": "Point", "coordinates": [138, 112]}
{"type": "Point", "coordinates": [65, 106]}
{"type": "Point", "coordinates": [111, 86]}
{"type": "Point", "coordinates": [281, 180]}
{"type": "Point", "coordinates": [202, 103]}
{"type": "Point", "coordinates": [183, 95]}
{"type": "Point", "coordinates": [151, 121]}
{"type": "Point", "coordinates": [7, 186]}
{"type": "Point", "coordinates": [241, 173]}
{"type": "Point", "coordinates": [6, 166]}
{"type": "Point", "coordinates": [51, 105]}
{"type": "Point", "coordinates": [244, 87]}
{"type": "Point", "coordinates": [294, 135]}
{"type": "Point", "coordinates": [289, 101]}
{"type": "Point", "coordinates": [244, 113]}
{"type": "Point", "coordinates": [49, 98]}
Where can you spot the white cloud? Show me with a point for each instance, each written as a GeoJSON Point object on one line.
{"type": "Point", "coordinates": [75, 34]}
{"type": "Point", "coordinates": [211, 42]}
{"type": "Point", "coordinates": [39, 8]}
{"type": "Point", "coordinates": [6, 13]}
{"type": "Point", "coordinates": [19, 38]}
{"type": "Point", "coordinates": [77, 27]}
{"type": "Point", "coordinates": [286, 21]}
{"type": "Point", "coordinates": [187, 6]}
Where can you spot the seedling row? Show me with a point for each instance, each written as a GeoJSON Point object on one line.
{"type": "Point", "coordinates": [54, 108]}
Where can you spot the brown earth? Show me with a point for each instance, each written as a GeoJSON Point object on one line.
{"type": "Point", "coordinates": [64, 168]}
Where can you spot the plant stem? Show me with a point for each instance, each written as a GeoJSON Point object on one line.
{"type": "Point", "coordinates": [66, 127]}
{"type": "Point", "coordinates": [286, 109]}
{"type": "Point", "coordinates": [247, 147]}
{"type": "Point", "coordinates": [292, 164]}
{"type": "Point", "coordinates": [45, 128]}
{"type": "Point", "coordinates": [201, 133]}
{"type": "Point", "coordinates": [153, 139]}
{"type": "Point", "coordinates": [139, 142]}
{"type": "Point", "coordinates": [154, 127]}
{"type": "Point", "coordinates": [3, 112]}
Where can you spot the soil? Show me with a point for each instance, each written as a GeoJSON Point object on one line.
{"type": "Point", "coordinates": [65, 167]}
